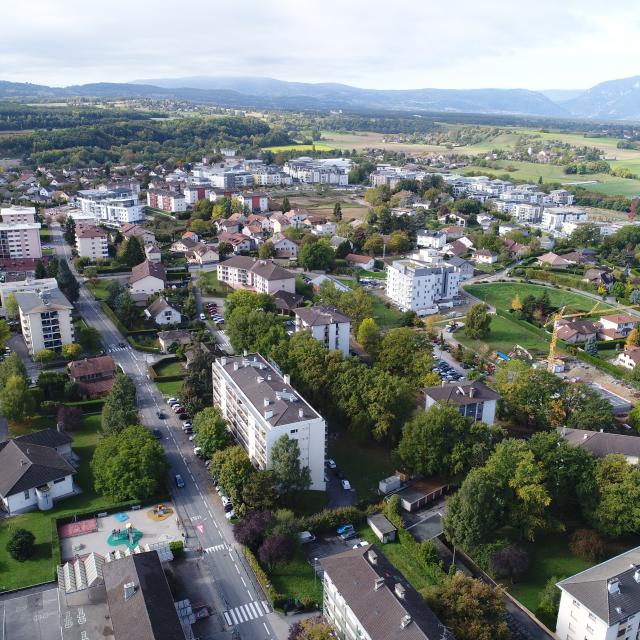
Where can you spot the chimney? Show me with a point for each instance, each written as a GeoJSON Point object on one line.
{"type": "Point", "coordinates": [60, 427]}
{"type": "Point", "coordinates": [585, 436]}
{"type": "Point", "coordinates": [223, 361]}
{"type": "Point", "coordinates": [300, 413]}
{"type": "Point", "coordinates": [268, 414]}
{"type": "Point", "coordinates": [259, 379]}
{"type": "Point", "coordinates": [267, 402]}
{"type": "Point", "coordinates": [636, 575]}
{"type": "Point", "coordinates": [245, 353]}
{"type": "Point", "coordinates": [129, 590]}
{"type": "Point", "coordinates": [400, 591]}
{"type": "Point", "coordinates": [472, 391]}
{"type": "Point", "coordinates": [235, 365]}
{"type": "Point", "coordinates": [287, 378]}
{"type": "Point", "coordinates": [372, 556]}
{"type": "Point", "coordinates": [405, 622]}
{"type": "Point", "coordinates": [613, 586]}
{"type": "Point", "coordinates": [378, 584]}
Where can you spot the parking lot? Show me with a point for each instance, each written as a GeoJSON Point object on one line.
{"type": "Point", "coordinates": [326, 546]}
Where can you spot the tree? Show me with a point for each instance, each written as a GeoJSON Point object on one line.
{"type": "Point", "coordinates": [40, 272]}
{"type": "Point", "coordinates": [337, 212]}
{"type": "Point", "coordinates": [15, 399]}
{"type": "Point", "coordinates": [470, 608]}
{"type": "Point", "coordinates": [235, 473]}
{"type": "Point", "coordinates": [311, 629]}
{"type": "Point", "coordinates": [200, 227]}
{"type": "Point", "coordinates": [399, 242]}
{"type": "Point", "coordinates": [374, 244]}
{"type": "Point", "coordinates": [89, 338]}
{"type": "Point", "coordinates": [210, 430]}
{"type": "Point", "coordinates": [549, 603]}
{"type": "Point", "coordinates": [369, 336]}
{"type": "Point", "coordinates": [11, 307]}
{"type": "Point", "coordinates": [261, 492]}
{"type": "Point", "coordinates": [21, 546]}
{"type": "Point", "coordinates": [126, 309]}
{"type": "Point", "coordinates": [12, 366]}
{"type": "Point", "coordinates": [290, 475]}
{"type": "Point", "coordinates": [44, 356]}
{"type": "Point", "coordinates": [634, 297]}
{"type": "Point", "coordinates": [51, 384]}
{"type": "Point", "coordinates": [197, 388]}
{"type": "Point", "coordinates": [285, 205]}
{"type": "Point", "coordinates": [113, 289]}
{"type": "Point", "coordinates": [405, 353]}
{"type": "Point", "coordinates": [70, 230]}
{"type": "Point", "coordinates": [510, 562]}
{"type": "Point", "coordinates": [585, 409]}
{"type": "Point", "coordinates": [478, 322]}
{"type": "Point", "coordinates": [266, 250]}
{"type": "Point", "coordinates": [591, 347]}
{"type": "Point", "coordinates": [586, 235]}
{"type": "Point", "coordinates": [255, 331]}
{"type": "Point", "coordinates": [252, 529]}
{"type": "Point", "coordinates": [275, 550]}
{"type": "Point", "coordinates": [129, 465]}
{"type": "Point", "coordinates": [67, 282]}
{"type": "Point", "coordinates": [71, 351]}
{"type": "Point", "coordinates": [316, 256]}
{"type": "Point", "coordinates": [516, 305]}
{"type": "Point", "coordinates": [633, 339]}
{"type": "Point", "coordinates": [225, 248]}
{"type": "Point", "coordinates": [586, 544]}
{"type": "Point", "coordinates": [120, 409]}
{"type": "Point", "coordinates": [70, 418]}
{"type": "Point", "coordinates": [189, 307]}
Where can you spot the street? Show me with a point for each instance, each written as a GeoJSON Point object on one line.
{"type": "Point", "coordinates": [233, 592]}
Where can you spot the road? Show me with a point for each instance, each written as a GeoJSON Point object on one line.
{"type": "Point", "coordinates": [235, 595]}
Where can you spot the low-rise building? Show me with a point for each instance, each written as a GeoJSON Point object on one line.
{"type": "Point", "coordinates": [94, 376]}
{"type": "Point", "coordinates": [358, 261]}
{"type": "Point", "coordinates": [91, 242]}
{"type": "Point", "coordinates": [263, 276]}
{"type": "Point", "coordinates": [629, 358]}
{"type": "Point", "coordinates": [554, 261]}
{"type": "Point", "coordinates": [175, 336]}
{"type": "Point", "coordinates": [285, 248]}
{"type": "Point", "coordinates": [484, 256]}
{"type": "Point", "coordinates": [203, 254]}
{"type": "Point", "coordinates": [146, 279]}
{"type": "Point", "coordinates": [144, 235]}
{"type": "Point", "coordinates": [327, 325]}
{"type": "Point", "coordinates": [153, 253]}
{"type": "Point", "coordinates": [45, 319]}
{"type": "Point", "coordinates": [261, 406]}
{"type": "Point", "coordinates": [161, 312]}
{"type": "Point", "coordinates": [473, 399]}
{"type": "Point", "coordinates": [601, 444]}
{"type": "Point", "coordinates": [576, 331]}
{"type": "Point", "coordinates": [431, 239]}
{"type": "Point", "coordinates": [617, 325]}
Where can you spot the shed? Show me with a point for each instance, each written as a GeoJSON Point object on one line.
{"type": "Point", "coordinates": [384, 530]}
{"type": "Point", "coordinates": [422, 493]}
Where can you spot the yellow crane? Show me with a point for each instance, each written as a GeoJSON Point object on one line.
{"type": "Point", "coordinates": [560, 315]}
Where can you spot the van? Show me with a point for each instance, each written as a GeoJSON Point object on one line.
{"type": "Point", "coordinates": [306, 536]}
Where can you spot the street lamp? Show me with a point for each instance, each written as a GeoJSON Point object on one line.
{"type": "Point", "coordinates": [315, 571]}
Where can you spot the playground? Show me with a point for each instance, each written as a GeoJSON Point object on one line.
{"type": "Point", "coordinates": [106, 533]}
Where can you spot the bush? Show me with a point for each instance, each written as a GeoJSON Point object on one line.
{"type": "Point", "coordinates": [177, 548]}
{"type": "Point", "coordinates": [21, 545]}
{"type": "Point", "coordinates": [510, 562]}
{"type": "Point", "coordinates": [330, 519]}
{"type": "Point", "coordinates": [392, 511]}
{"type": "Point", "coordinates": [547, 609]}
{"type": "Point", "coordinates": [427, 554]}
{"type": "Point", "coordinates": [586, 544]}
{"type": "Point", "coordinates": [276, 599]}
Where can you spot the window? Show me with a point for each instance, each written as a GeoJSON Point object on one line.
{"type": "Point", "coordinates": [27, 494]}
{"type": "Point", "coordinates": [59, 480]}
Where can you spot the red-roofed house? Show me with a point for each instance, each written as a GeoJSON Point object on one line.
{"type": "Point", "coordinates": [357, 261]}
{"type": "Point", "coordinates": [94, 376]}
{"type": "Point", "coordinates": [617, 325]}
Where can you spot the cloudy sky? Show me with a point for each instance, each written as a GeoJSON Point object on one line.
{"type": "Point", "coordinates": [546, 44]}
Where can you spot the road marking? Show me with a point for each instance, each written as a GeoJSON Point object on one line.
{"type": "Point", "coordinates": [233, 616]}
{"type": "Point", "coordinates": [227, 618]}
{"type": "Point", "coordinates": [264, 624]}
{"type": "Point", "coordinates": [236, 566]}
{"type": "Point", "coordinates": [266, 606]}
{"type": "Point", "coordinates": [243, 582]}
{"type": "Point", "coordinates": [217, 547]}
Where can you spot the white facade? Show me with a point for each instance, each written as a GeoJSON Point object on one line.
{"type": "Point", "coordinates": [46, 284]}
{"type": "Point", "coordinates": [260, 407]}
{"type": "Point", "coordinates": [28, 500]}
{"type": "Point", "coordinates": [333, 171]}
{"type": "Point", "coordinates": [147, 286]}
{"type": "Point", "coordinates": [327, 325]}
{"type": "Point", "coordinates": [19, 233]}
{"type": "Point", "coordinates": [92, 243]}
{"type": "Point", "coordinates": [526, 212]}
{"type": "Point", "coordinates": [554, 217]}
{"type": "Point", "coordinates": [111, 207]}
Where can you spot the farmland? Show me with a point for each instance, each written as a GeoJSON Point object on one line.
{"type": "Point", "coordinates": [299, 147]}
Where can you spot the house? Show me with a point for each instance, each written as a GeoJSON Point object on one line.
{"type": "Point", "coordinates": [431, 239]}
{"type": "Point", "coordinates": [576, 331]}
{"type": "Point", "coordinates": [191, 235]}
{"type": "Point", "coordinates": [253, 231]}
{"type": "Point", "coordinates": [462, 266]}
{"type": "Point", "coordinates": [287, 302]}
{"type": "Point", "coordinates": [603, 602]}
{"type": "Point", "coordinates": [254, 201]}
{"type": "Point", "coordinates": [456, 248]}
{"type": "Point", "coordinates": [152, 251]}
{"type": "Point", "coordinates": [239, 242]}
{"type": "Point", "coordinates": [617, 325]}
{"type": "Point", "coordinates": [203, 254]}
{"type": "Point", "coordinates": [183, 245]}
{"type": "Point", "coordinates": [365, 597]}
{"type": "Point", "coordinates": [358, 261]}
{"type": "Point", "coordinates": [601, 444]}
{"type": "Point", "coordinates": [296, 217]}
{"type": "Point", "coordinates": [94, 376]}
{"type": "Point", "coordinates": [35, 471]}
{"type": "Point", "coordinates": [91, 242]}
{"type": "Point", "coordinates": [176, 336]}
{"type": "Point", "coordinates": [336, 241]}
{"type": "Point", "coordinates": [384, 530]}
{"type": "Point", "coordinates": [264, 276]}
{"type": "Point", "coordinates": [161, 312]}
{"type": "Point", "coordinates": [327, 324]}
{"type": "Point", "coordinates": [484, 256]}
{"type": "Point", "coordinates": [146, 279]}
{"type": "Point", "coordinates": [554, 261]}
{"type": "Point", "coordinates": [473, 399]}
{"type": "Point", "coordinates": [145, 236]}
{"type": "Point", "coordinates": [453, 232]}
{"type": "Point", "coordinates": [515, 249]}
{"type": "Point", "coordinates": [271, 408]}
{"type": "Point", "coordinates": [228, 225]}
{"type": "Point", "coordinates": [599, 276]}
{"type": "Point", "coordinates": [629, 358]}
{"type": "Point", "coordinates": [285, 248]}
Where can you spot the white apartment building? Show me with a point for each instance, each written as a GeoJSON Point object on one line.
{"type": "Point", "coordinates": [263, 276]}
{"type": "Point", "coordinates": [420, 282]}
{"type": "Point", "coordinates": [45, 319]}
{"type": "Point", "coordinates": [603, 602]}
{"type": "Point", "coordinates": [554, 217]}
{"type": "Point", "coordinates": [19, 233]}
{"type": "Point", "coordinates": [526, 212]}
{"type": "Point", "coordinates": [327, 325]}
{"type": "Point", "coordinates": [91, 242]}
{"type": "Point", "coordinates": [561, 197]}
{"type": "Point", "coordinates": [195, 192]}
{"type": "Point", "coordinates": [312, 171]}
{"type": "Point", "coordinates": [7, 288]}
{"type": "Point", "coordinates": [111, 207]}
{"type": "Point", "coordinates": [169, 201]}
{"type": "Point", "coordinates": [431, 239]}
{"type": "Point", "coordinates": [261, 406]}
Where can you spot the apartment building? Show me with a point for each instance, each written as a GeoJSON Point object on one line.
{"type": "Point", "coordinates": [45, 319]}
{"type": "Point", "coordinates": [431, 239]}
{"type": "Point", "coordinates": [14, 286]}
{"type": "Point", "coordinates": [195, 192]}
{"type": "Point", "coordinates": [327, 325]}
{"type": "Point", "coordinates": [420, 282]}
{"type": "Point", "coordinates": [111, 207]}
{"type": "Point", "coordinates": [473, 399]}
{"type": "Point", "coordinates": [526, 212]}
{"type": "Point", "coordinates": [170, 201]}
{"type": "Point", "coordinates": [313, 171]}
{"type": "Point", "coordinates": [261, 406]}
{"type": "Point", "coordinates": [554, 217]}
{"type": "Point", "coordinates": [364, 597]}
{"type": "Point", "coordinates": [561, 197]}
{"type": "Point", "coordinates": [19, 233]}
{"type": "Point", "coordinates": [263, 276]}
{"type": "Point", "coordinates": [91, 242]}
{"type": "Point", "coordinates": [603, 602]}
{"type": "Point", "coordinates": [258, 201]}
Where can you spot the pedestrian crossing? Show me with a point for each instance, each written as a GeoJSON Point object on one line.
{"type": "Point", "coordinates": [246, 612]}
{"type": "Point", "coordinates": [218, 547]}
{"type": "Point", "coordinates": [112, 348]}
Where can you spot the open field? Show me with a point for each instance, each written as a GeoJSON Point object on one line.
{"type": "Point", "coordinates": [319, 146]}
{"type": "Point", "coordinates": [171, 389]}
{"type": "Point", "coordinates": [364, 139]}
{"type": "Point", "coordinates": [297, 579]}
{"type": "Point", "coordinates": [168, 368]}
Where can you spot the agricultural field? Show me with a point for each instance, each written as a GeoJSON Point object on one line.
{"type": "Point", "coordinates": [300, 147]}
{"type": "Point", "coordinates": [365, 139]}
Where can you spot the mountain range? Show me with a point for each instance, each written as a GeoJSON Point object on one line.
{"type": "Point", "coordinates": [612, 100]}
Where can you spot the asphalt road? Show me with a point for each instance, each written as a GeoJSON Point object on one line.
{"type": "Point", "coordinates": [235, 595]}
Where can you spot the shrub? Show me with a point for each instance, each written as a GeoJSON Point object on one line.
{"type": "Point", "coordinates": [21, 545]}
{"type": "Point", "coordinates": [510, 562]}
{"type": "Point", "coordinates": [277, 599]}
{"type": "Point", "coordinates": [177, 548]}
{"type": "Point", "coordinates": [427, 553]}
{"type": "Point", "coordinates": [549, 603]}
{"type": "Point", "coordinates": [250, 531]}
{"type": "Point", "coordinates": [329, 519]}
{"type": "Point", "coordinates": [277, 549]}
{"type": "Point", "coordinates": [392, 511]}
{"type": "Point", "coordinates": [586, 544]}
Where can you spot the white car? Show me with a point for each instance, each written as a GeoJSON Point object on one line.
{"type": "Point", "coordinates": [362, 543]}
{"type": "Point", "coordinates": [172, 400]}
{"type": "Point", "coordinates": [203, 317]}
{"type": "Point", "coordinates": [230, 514]}
{"type": "Point", "coordinates": [331, 463]}
{"type": "Point", "coordinates": [346, 485]}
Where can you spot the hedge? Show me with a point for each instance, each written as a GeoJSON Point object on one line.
{"type": "Point", "coordinates": [275, 598]}
{"type": "Point", "coordinates": [112, 316]}
{"type": "Point", "coordinates": [142, 347]}
{"type": "Point", "coordinates": [329, 519]}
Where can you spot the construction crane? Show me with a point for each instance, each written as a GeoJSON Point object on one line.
{"type": "Point", "coordinates": [560, 315]}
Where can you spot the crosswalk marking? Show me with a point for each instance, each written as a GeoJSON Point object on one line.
{"type": "Point", "coordinates": [246, 612]}
{"type": "Point", "coordinates": [114, 347]}
{"type": "Point", "coordinates": [218, 547]}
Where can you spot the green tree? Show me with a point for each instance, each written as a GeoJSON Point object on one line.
{"type": "Point", "coordinates": [290, 475]}
{"type": "Point", "coordinates": [316, 256]}
{"type": "Point", "coordinates": [126, 309]}
{"type": "Point", "coordinates": [255, 331]}
{"type": "Point", "coordinates": [549, 603]}
{"type": "Point", "coordinates": [374, 244]}
{"type": "Point", "coordinates": [21, 545]}
{"type": "Point", "coordinates": [129, 465]}
{"type": "Point", "coordinates": [210, 430]}
{"type": "Point", "coordinates": [11, 307]}
{"type": "Point", "coordinates": [248, 300]}
{"type": "Point", "coordinates": [285, 205]}
{"type": "Point", "coordinates": [405, 353]}
{"type": "Point", "coordinates": [399, 242]}
{"type": "Point", "coordinates": [15, 399]}
{"type": "Point", "coordinates": [120, 409]}
{"type": "Point", "coordinates": [133, 253]}
{"type": "Point", "coordinates": [266, 250]}
{"type": "Point", "coordinates": [71, 351]}
{"type": "Point", "coordinates": [585, 409]}
{"type": "Point", "coordinates": [478, 322]}
{"type": "Point", "coordinates": [113, 289]}
{"type": "Point", "coordinates": [67, 282]}
{"type": "Point", "coordinates": [337, 212]}
{"type": "Point", "coordinates": [261, 492]}
{"type": "Point", "coordinates": [586, 235]}
{"type": "Point", "coordinates": [200, 227]}
{"type": "Point", "coordinates": [88, 338]}
{"type": "Point", "coordinates": [12, 366]}
{"type": "Point", "coordinates": [70, 230]}
{"type": "Point", "coordinates": [189, 307]}
{"type": "Point", "coordinates": [591, 347]}
{"type": "Point", "coordinates": [225, 249]}
{"type": "Point", "coordinates": [40, 272]}
{"type": "Point", "coordinates": [369, 337]}
{"type": "Point", "coordinates": [44, 356]}
{"type": "Point", "coordinates": [235, 473]}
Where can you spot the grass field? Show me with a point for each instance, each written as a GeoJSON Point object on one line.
{"type": "Point", "coordinates": [170, 389]}
{"type": "Point", "coordinates": [300, 147]}
{"type": "Point", "coordinates": [385, 317]}
{"type": "Point", "coordinates": [297, 579]}
{"type": "Point", "coordinates": [168, 368]}
{"type": "Point", "coordinates": [40, 567]}
{"type": "Point", "coordinates": [208, 283]}
{"type": "Point", "coordinates": [98, 290]}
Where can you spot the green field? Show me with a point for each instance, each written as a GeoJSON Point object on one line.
{"type": "Point", "coordinates": [169, 368]}
{"type": "Point", "coordinates": [300, 147]}
{"type": "Point", "coordinates": [297, 579]}
{"type": "Point", "coordinates": [170, 389]}
{"type": "Point", "coordinates": [388, 317]}
{"type": "Point", "coordinates": [209, 285]}
{"type": "Point", "coordinates": [98, 289]}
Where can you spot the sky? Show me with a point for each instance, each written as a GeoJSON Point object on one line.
{"type": "Point", "coordinates": [378, 44]}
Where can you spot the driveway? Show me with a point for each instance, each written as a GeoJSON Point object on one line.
{"type": "Point", "coordinates": [338, 497]}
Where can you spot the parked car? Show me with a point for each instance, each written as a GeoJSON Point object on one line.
{"type": "Point", "coordinates": [230, 514]}
{"type": "Point", "coordinates": [172, 400]}
{"type": "Point", "coordinates": [306, 536]}
{"type": "Point", "coordinates": [346, 531]}
{"type": "Point", "coordinates": [346, 485]}
{"type": "Point", "coordinates": [157, 433]}
{"type": "Point", "coordinates": [228, 507]}
{"type": "Point", "coordinates": [161, 415]}
{"type": "Point", "coordinates": [362, 543]}
{"type": "Point", "coordinates": [331, 463]}
{"type": "Point", "coordinates": [179, 481]}
{"type": "Point", "coordinates": [203, 317]}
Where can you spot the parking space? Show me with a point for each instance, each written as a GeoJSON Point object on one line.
{"type": "Point", "coordinates": [326, 546]}
{"type": "Point", "coordinates": [425, 524]}
{"type": "Point", "coordinates": [338, 496]}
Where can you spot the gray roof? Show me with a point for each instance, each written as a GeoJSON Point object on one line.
{"type": "Point", "coordinates": [147, 268]}
{"type": "Point", "coordinates": [149, 614]}
{"type": "Point", "coordinates": [271, 271]}
{"type": "Point", "coordinates": [287, 301]}
{"type": "Point", "coordinates": [259, 381]}
{"type": "Point", "coordinates": [591, 587]}
{"type": "Point", "coordinates": [158, 306]}
{"type": "Point", "coordinates": [52, 300]}
{"type": "Point", "coordinates": [320, 315]}
{"type": "Point", "coordinates": [239, 262]}
{"type": "Point", "coordinates": [46, 438]}
{"type": "Point", "coordinates": [601, 444]}
{"type": "Point", "coordinates": [380, 611]}
{"type": "Point", "coordinates": [24, 465]}
{"type": "Point", "coordinates": [381, 523]}
{"type": "Point", "coordinates": [460, 393]}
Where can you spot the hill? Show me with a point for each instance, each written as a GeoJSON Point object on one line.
{"type": "Point", "coordinates": [611, 100]}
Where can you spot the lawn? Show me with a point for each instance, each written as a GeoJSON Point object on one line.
{"type": "Point", "coordinates": [98, 289]}
{"type": "Point", "coordinates": [318, 146]}
{"type": "Point", "coordinates": [169, 368]}
{"type": "Point", "coordinates": [170, 389]}
{"type": "Point", "coordinates": [379, 275]}
{"type": "Point", "coordinates": [208, 283]}
{"type": "Point", "coordinates": [297, 579]}
{"type": "Point", "coordinates": [40, 568]}
{"type": "Point", "coordinates": [501, 294]}
{"type": "Point", "coordinates": [363, 463]}
{"type": "Point", "coordinates": [388, 317]}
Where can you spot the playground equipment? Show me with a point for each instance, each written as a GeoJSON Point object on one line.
{"type": "Point", "coordinates": [128, 536]}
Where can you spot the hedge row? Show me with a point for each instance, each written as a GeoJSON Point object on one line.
{"type": "Point", "coordinates": [142, 347]}
{"type": "Point", "coordinates": [329, 519]}
{"type": "Point", "coordinates": [272, 595]}
{"type": "Point", "coordinates": [112, 316]}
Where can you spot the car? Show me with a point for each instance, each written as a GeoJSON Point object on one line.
{"type": "Point", "coordinates": [225, 500]}
{"type": "Point", "coordinates": [179, 481]}
{"type": "Point", "coordinates": [122, 345]}
{"type": "Point", "coordinates": [203, 317]}
{"type": "Point", "coordinates": [157, 433]}
{"type": "Point", "coordinates": [176, 408]}
{"type": "Point", "coordinates": [306, 536]}
{"type": "Point", "coordinates": [186, 424]}
{"type": "Point", "coordinates": [161, 415]}
{"type": "Point", "coordinates": [346, 485]}
{"type": "Point", "coordinates": [188, 430]}
{"type": "Point", "coordinates": [343, 528]}
{"type": "Point", "coordinates": [228, 507]}
{"type": "Point", "coordinates": [362, 543]}
{"type": "Point", "coordinates": [331, 463]}
{"type": "Point", "coordinates": [230, 514]}
{"type": "Point", "coordinates": [219, 321]}
{"type": "Point", "coordinates": [170, 400]}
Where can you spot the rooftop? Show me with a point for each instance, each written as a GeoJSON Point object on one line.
{"type": "Point", "coordinates": [320, 315]}
{"type": "Point", "coordinates": [52, 300]}
{"type": "Point", "coordinates": [91, 366]}
{"type": "Point", "coordinates": [601, 444]}
{"type": "Point", "coordinates": [90, 231]}
{"type": "Point", "coordinates": [147, 268]}
{"type": "Point", "coordinates": [468, 393]}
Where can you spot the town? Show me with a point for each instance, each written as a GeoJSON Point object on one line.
{"type": "Point", "coordinates": [298, 366]}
